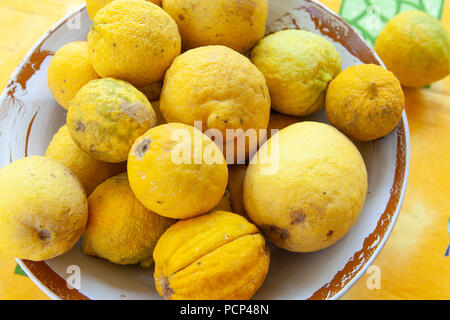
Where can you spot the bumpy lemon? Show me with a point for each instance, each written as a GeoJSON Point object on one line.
{"type": "Point", "coordinates": [43, 209]}
{"type": "Point", "coordinates": [235, 24]}
{"type": "Point", "coordinates": [120, 229]}
{"type": "Point", "coordinates": [219, 87]}
{"type": "Point", "coordinates": [314, 191]}
{"type": "Point", "coordinates": [133, 40]}
{"type": "Point", "coordinates": [298, 65]}
{"type": "Point", "coordinates": [416, 48]}
{"type": "Point", "coordinates": [365, 102]}
{"type": "Point", "coordinates": [216, 256]}
{"type": "Point", "coordinates": [90, 171]}
{"type": "Point", "coordinates": [69, 70]}
{"type": "Point", "coordinates": [106, 116]}
{"type": "Point", "coordinates": [93, 6]}
{"type": "Point", "coordinates": [176, 171]}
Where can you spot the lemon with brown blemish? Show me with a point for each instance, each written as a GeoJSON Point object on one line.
{"type": "Point", "coordinates": [235, 24]}
{"type": "Point", "coordinates": [120, 229]}
{"type": "Point", "coordinates": [69, 70]}
{"type": "Point", "coordinates": [415, 47]}
{"type": "Point", "coordinates": [43, 209]}
{"type": "Point", "coordinates": [314, 191]}
{"type": "Point", "coordinates": [365, 102]}
{"type": "Point", "coordinates": [298, 65]}
{"type": "Point", "coordinates": [133, 40]}
{"type": "Point", "coordinates": [106, 116]}
{"type": "Point", "coordinates": [93, 6]}
{"type": "Point", "coordinates": [90, 171]}
{"type": "Point", "coordinates": [219, 87]}
{"type": "Point", "coordinates": [177, 171]}
{"type": "Point", "coordinates": [218, 256]}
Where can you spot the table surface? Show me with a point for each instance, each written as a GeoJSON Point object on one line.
{"type": "Point", "coordinates": [412, 265]}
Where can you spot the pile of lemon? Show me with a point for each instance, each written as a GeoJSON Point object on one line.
{"type": "Point", "coordinates": [145, 169]}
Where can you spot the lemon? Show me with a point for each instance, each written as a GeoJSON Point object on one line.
{"type": "Point", "coordinates": [236, 24]}
{"type": "Point", "coordinates": [365, 102]}
{"type": "Point", "coordinates": [219, 87]}
{"type": "Point", "coordinates": [43, 209]}
{"type": "Point", "coordinates": [416, 48]}
{"type": "Point", "coordinates": [133, 40]}
{"type": "Point", "coordinates": [120, 229]}
{"type": "Point", "coordinates": [218, 256]}
{"type": "Point", "coordinates": [314, 192]}
{"type": "Point", "coordinates": [298, 65]}
{"type": "Point", "coordinates": [93, 6]}
{"type": "Point", "coordinates": [69, 70]}
{"type": "Point", "coordinates": [90, 171]}
{"type": "Point", "coordinates": [177, 171]}
{"type": "Point", "coordinates": [106, 116]}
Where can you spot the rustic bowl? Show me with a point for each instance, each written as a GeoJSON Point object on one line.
{"type": "Point", "coordinates": [29, 117]}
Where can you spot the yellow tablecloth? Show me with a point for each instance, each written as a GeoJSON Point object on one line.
{"type": "Point", "coordinates": [412, 263]}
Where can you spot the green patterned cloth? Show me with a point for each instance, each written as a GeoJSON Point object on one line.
{"type": "Point", "coordinates": [369, 17]}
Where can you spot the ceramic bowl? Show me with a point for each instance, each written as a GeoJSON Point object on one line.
{"type": "Point", "coordinates": [29, 117]}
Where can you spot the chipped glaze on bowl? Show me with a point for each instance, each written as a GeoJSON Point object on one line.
{"type": "Point", "coordinates": [29, 117]}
